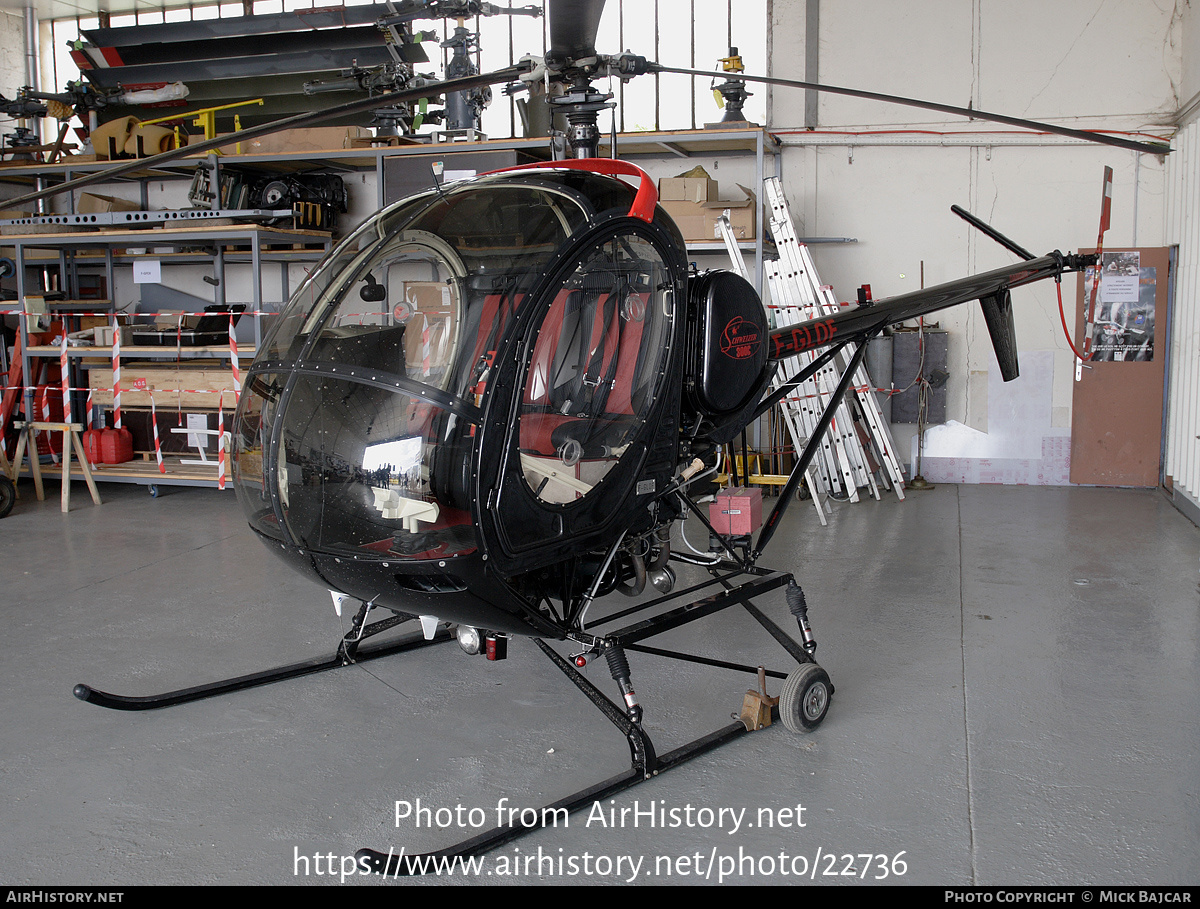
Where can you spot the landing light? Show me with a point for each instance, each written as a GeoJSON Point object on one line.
{"type": "Point", "coordinates": [469, 639]}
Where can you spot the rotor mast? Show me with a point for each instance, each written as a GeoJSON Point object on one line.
{"type": "Point", "coordinates": [572, 59]}
{"type": "Point", "coordinates": [581, 106]}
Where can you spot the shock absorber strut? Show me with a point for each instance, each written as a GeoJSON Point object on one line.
{"type": "Point", "coordinates": [798, 606]}
{"type": "Point", "coordinates": [618, 665]}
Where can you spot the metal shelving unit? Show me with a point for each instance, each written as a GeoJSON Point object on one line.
{"type": "Point", "coordinates": [754, 142]}
{"type": "Point", "coordinates": [70, 252]}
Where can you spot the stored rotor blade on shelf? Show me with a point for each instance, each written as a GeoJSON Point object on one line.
{"type": "Point", "coordinates": [1153, 148]}
{"type": "Point", "coordinates": [299, 120]}
{"type": "Point", "coordinates": [573, 27]}
{"type": "Point", "coordinates": [264, 25]}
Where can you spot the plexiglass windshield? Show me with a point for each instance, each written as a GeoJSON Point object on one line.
{"type": "Point", "coordinates": [355, 428]}
{"type": "Point", "coordinates": [596, 368]}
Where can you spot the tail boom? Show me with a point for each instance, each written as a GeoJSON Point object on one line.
{"type": "Point", "coordinates": [990, 288]}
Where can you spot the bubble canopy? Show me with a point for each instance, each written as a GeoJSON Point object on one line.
{"type": "Point", "coordinates": [357, 440]}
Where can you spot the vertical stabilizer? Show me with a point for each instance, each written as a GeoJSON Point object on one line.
{"type": "Point", "coordinates": [997, 310]}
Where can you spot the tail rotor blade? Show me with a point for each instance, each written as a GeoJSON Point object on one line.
{"type": "Point", "coordinates": [1105, 218]}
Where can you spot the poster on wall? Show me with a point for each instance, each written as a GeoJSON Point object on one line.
{"type": "Point", "coordinates": [1123, 322]}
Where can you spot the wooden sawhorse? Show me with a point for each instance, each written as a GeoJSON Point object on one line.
{"type": "Point", "coordinates": [71, 440]}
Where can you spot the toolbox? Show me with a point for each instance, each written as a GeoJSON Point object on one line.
{"type": "Point", "coordinates": [212, 328]}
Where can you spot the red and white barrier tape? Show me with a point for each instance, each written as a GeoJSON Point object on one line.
{"type": "Point", "coordinates": [221, 441]}
{"type": "Point", "coordinates": [49, 419]}
{"type": "Point", "coordinates": [154, 426]}
{"type": "Point", "coordinates": [116, 359]}
{"type": "Point", "coordinates": [425, 348]}
{"type": "Point", "coordinates": [233, 361]}
{"type": "Point", "coordinates": [161, 391]}
{"type": "Point", "coordinates": [64, 370]}
{"type": "Point", "coordinates": [107, 313]}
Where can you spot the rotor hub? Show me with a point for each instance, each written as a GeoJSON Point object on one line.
{"type": "Point", "coordinates": [581, 107]}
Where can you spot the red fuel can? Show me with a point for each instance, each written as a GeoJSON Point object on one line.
{"type": "Point", "coordinates": [91, 446]}
{"type": "Point", "coordinates": [116, 446]}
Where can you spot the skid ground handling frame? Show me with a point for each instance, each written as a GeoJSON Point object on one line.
{"type": "Point", "coordinates": [802, 704]}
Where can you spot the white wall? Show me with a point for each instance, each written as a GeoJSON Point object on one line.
{"type": "Point", "coordinates": [1088, 64]}
{"type": "Point", "coordinates": [12, 71]}
{"type": "Point", "coordinates": [12, 51]}
{"type": "Point", "coordinates": [1183, 229]}
{"type": "Point", "coordinates": [1183, 417]}
{"type": "Point", "coordinates": [1096, 62]}
{"type": "Point", "coordinates": [1190, 42]}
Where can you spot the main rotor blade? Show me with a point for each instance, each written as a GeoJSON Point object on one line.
{"type": "Point", "coordinates": [573, 27]}
{"type": "Point", "coordinates": [266, 129]}
{"type": "Point", "coordinates": [1152, 148]}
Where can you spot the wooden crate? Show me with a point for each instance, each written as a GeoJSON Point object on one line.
{"type": "Point", "coordinates": [183, 386]}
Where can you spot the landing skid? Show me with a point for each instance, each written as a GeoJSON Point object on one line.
{"type": "Point", "coordinates": [349, 651]}
{"type": "Point", "coordinates": [803, 700]}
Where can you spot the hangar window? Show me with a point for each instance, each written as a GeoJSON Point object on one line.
{"type": "Point", "coordinates": [652, 102]}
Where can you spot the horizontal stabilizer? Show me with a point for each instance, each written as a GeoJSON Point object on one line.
{"type": "Point", "coordinates": [997, 311]}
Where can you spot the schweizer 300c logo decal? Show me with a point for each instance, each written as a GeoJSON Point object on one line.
{"type": "Point", "coordinates": [740, 339]}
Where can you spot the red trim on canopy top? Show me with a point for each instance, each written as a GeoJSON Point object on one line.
{"type": "Point", "coordinates": [647, 194]}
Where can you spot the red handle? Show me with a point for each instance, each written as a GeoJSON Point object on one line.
{"type": "Point", "coordinates": [643, 203]}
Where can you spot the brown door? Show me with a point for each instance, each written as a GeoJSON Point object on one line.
{"type": "Point", "coordinates": [1116, 412]}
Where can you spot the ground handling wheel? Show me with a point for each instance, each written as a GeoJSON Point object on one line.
{"type": "Point", "coordinates": [804, 700]}
{"type": "Point", "coordinates": [8, 495]}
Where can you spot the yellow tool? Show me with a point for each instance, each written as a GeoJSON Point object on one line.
{"type": "Point", "coordinates": [732, 63]}
{"type": "Point", "coordinates": [205, 118]}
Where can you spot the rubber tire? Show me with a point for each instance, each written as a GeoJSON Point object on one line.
{"type": "Point", "coordinates": [153, 491]}
{"type": "Point", "coordinates": [805, 697]}
{"type": "Point", "coordinates": [8, 495]}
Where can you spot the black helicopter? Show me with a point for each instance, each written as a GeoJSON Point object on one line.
{"type": "Point", "coordinates": [488, 406]}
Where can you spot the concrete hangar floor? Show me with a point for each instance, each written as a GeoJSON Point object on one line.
{"type": "Point", "coordinates": [1017, 692]}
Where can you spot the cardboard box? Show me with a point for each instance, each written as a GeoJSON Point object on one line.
{"type": "Point", "coordinates": [427, 309]}
{"type": "Point", "coordinates": [406, 175]}
{"type": "Point", "coordinates": [687, 189]}
{"type": "Point", "coordinates": [141, 427]}
{"type": "Point", "coordinates": [102, 336]}
{"type": "Point", "coordinates": [92, 203]}
{"type": "Point", "coordinates": [737, 511]}
{"type": "Point", "coordinates": [317, 138]}
{"type": "Point", "coordinates": [689, 217]}
{"type": "Point", "coordinates": [100, 326]}
{"type": "Point", "coordinates": [697, 221]}
{"type": "Point", "coordinates": [741, 215]}
{"type": "Point", "coordinates": [37, 312]}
